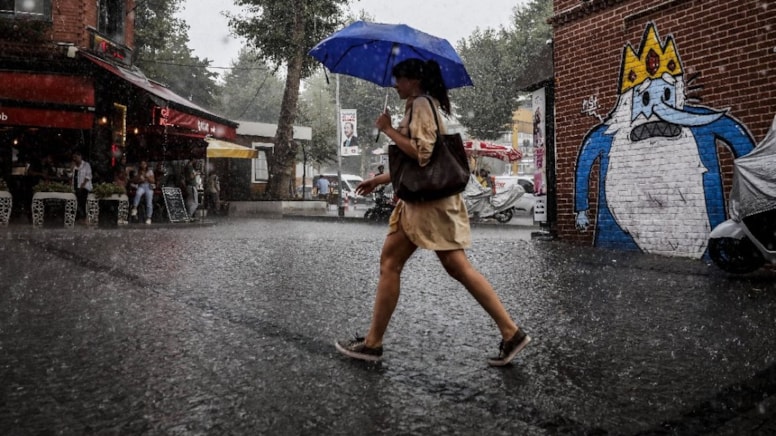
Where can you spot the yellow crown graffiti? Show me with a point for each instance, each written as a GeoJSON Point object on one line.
{"type": "Point", "coordinates": [652, 61]}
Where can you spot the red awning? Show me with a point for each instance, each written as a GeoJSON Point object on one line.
{"type": "Point", "coordinates": [167, 116]}
{"type": "Point", "coordinates": [179, 112]}
{"type": "Point", "coordinates": [46, 100]}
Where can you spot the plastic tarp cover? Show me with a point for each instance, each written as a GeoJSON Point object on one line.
{"type": "Point", "coordinates": [754, 180]}
{"type": "Point", "coordinates": [481, 200]}
{"type": "Point", "coordinates": [475, 196]}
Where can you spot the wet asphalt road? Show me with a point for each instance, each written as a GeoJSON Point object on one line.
{"type": "Point", "coordinates": [228, 329]}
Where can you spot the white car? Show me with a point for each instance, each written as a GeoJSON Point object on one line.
{"type": "Point", "coordinates": [348, 184]}
{"type": "Point", "coordinates": [526, 202]}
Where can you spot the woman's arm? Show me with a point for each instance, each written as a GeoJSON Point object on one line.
{"type": "Point", "coordinates": [422, 128]}
{"type": "Point", "coordinates": [369, 185]}
{"type": "Point", "coordinates": [404, 143]}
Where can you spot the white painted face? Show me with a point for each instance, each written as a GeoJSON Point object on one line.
{"type": "Point", "coordinates": [656, 108]}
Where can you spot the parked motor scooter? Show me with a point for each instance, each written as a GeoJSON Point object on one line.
{"type": "Point", "coordinates": [747, 240]}
{"type": "Point", "coordinates": [383, 207]}
{"type": "Point", "coordinates": [485, 203]}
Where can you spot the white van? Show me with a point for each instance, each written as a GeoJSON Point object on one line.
{"type": "Point", "coordinates": [348, 184]}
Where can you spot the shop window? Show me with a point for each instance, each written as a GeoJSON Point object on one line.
{"type": "Point", "coordinates": [111, 19]}
{"type": "Point", "coordinates": [119, 124]}
{"type": "Point", "coordinates": [26, 9]}
{"type": "Point", "coordinates": [260, 167]}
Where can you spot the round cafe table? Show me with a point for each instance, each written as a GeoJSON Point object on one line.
{"type": "Point", "coordinates": [93, 208]}
{"type": "Point", "coordinates": [39, 208]}
{"type": "Point", "coordinates": [6, 202]}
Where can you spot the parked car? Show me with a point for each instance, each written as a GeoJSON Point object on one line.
{"type": "Point", "coordinates": [348, 184]}
{"type": "Point", "coordinates": [527, 201]}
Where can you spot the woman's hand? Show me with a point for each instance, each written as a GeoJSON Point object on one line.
{"type": "Point", "coordinates": [366, 187]}
{"type": "Point", "coordinates": [383, 122]}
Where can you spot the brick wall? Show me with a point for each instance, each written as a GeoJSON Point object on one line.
{"type": "Point", "coordinates": [727, 60]}
{"type": "Point", "coordinates": [70, 19]}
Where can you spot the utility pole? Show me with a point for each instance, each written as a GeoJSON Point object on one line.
{"type": "Point", "coordinates": [340, 208]}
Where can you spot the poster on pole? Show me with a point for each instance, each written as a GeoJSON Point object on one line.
{"type": "Point", "coordinates": [539, 134]}
{"type": "Point", "coordinates": [349, 123]}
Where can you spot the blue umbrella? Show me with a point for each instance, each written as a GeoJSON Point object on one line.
{"type": "Point", "coordinates": [370, 50]}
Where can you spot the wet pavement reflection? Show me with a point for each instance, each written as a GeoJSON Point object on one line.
{"type": "Point", "coordinates": [228, 329]}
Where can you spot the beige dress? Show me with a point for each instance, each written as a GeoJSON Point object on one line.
{"type": "Point", "coordinates": [438, 225]}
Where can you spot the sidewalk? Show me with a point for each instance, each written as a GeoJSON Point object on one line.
{"type": "Point", "coordinates": [356, 213]}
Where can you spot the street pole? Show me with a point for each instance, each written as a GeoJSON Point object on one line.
{"type": "Point", "coordinates": [340, 208]}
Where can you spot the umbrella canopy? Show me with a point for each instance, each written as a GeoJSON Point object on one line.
{"type": "Point", "coordinates": [489, 149]}
{"type": "Point", "coordinates": [370, 50]}
{"type": "Point", "coordinates": [220, 148]}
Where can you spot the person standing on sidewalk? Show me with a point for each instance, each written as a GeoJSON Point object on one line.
{"type": "Point", "coordinates": [82, 184]}
{"type": "Point", "coordinates": [440, 225]}
{"type": "Point", "coordinates": [192, 193]}
{"type": "Point", "coordinates": [322, 185]}
{"type": "Point", "coordinates": [214, 193]}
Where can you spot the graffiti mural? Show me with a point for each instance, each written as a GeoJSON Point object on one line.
{"type": "Point", "coordinates": [660, 187]}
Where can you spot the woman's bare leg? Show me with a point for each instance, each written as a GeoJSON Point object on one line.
{"type": "Point", "coordinates": [458, 266]}
{"type": "Point", "coordinates": [397, 248]}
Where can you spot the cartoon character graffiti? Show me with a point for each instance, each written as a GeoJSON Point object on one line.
{"type": "Point", "coordinates": [660, 186]}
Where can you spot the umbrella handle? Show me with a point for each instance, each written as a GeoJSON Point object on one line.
{"type": "Point", "coordinates": [385, 106]}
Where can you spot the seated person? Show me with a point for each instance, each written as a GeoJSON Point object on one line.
{"type": "Point", "coordinates": [160, 173]}
{"type": "Point", "coordinates": [484, 178]}
{"type": "Point", "coordinates": [144, 179]}
{"type": "Point", "coordinates": [120, 178]}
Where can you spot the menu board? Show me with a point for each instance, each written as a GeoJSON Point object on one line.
{"type": "Point", "coordinates": [176, 207]}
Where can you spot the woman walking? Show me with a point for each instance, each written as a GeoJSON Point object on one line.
{"type": "Point", "coordinates": [440, 225]}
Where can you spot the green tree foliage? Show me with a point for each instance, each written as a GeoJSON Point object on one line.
{"type": "Point", "coordinates": [502, 64]}
{"type": "Point", "coordinates": [162, 52]}
{"type": "Point", "coordinates": [282, 33]}
{"type": "Point", "coordinates": [317, 109]}
{"type": "Point", "coordinates": [485, 109]}
{"type": "Point", "coordinates": [251, 90]}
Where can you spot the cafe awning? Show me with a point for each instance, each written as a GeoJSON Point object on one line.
{"type": "Point", "coordinates": [172, 109]}
{"type": "Point", "coordinates": [46, 100]}
{"type": "Point", "coordinates": [219, 148]}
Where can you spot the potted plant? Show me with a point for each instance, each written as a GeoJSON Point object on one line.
{"type": "Point", "coordinates": [106, 190]}
{"type": "Point", "coordinates": [109, 210]}
{"type": "Point", "coordinates": [52, 187]}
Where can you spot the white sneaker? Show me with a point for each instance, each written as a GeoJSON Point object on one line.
{"type": "Point", "coordinates": [134, 211]}
{"type": "Point", "coordinates": [148, 220]}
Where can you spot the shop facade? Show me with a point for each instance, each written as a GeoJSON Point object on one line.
{"type": "Point", "coordinates": [67, 84]}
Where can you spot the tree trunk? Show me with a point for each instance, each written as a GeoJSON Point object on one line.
{"type": "Point", "coordinates": [282, 171]}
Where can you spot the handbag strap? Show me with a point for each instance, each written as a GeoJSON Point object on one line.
{"type": "Point", "coordinates": [433, 109]}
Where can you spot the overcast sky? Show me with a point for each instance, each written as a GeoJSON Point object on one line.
{"type": "Point", "coordinates": [450, 19]}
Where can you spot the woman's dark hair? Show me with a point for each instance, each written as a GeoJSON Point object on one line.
{"type": "Point", "coordinates": [430, 77]}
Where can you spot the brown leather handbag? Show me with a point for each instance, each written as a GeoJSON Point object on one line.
{"type": "Point", "coordinates": [446, 173]}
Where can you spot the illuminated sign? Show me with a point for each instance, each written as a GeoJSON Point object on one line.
{"type": "Point", "coordinates": [166, 116]}
{"type": "Point", "coordinates": [108, 49]}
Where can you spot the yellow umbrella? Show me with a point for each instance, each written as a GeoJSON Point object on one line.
{"type": "Point", "coordinates": [217, 148]}
{"type": "Point", "coordinates": [221, 148]}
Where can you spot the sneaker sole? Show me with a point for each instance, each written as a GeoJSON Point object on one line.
{"type": "Point", "coordinates": [359, 356]}
{"type": "Point", "coordinates": [506, 360]}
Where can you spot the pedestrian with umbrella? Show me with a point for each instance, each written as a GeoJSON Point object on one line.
{"type": "Point", "coordinates": [440, 225]}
